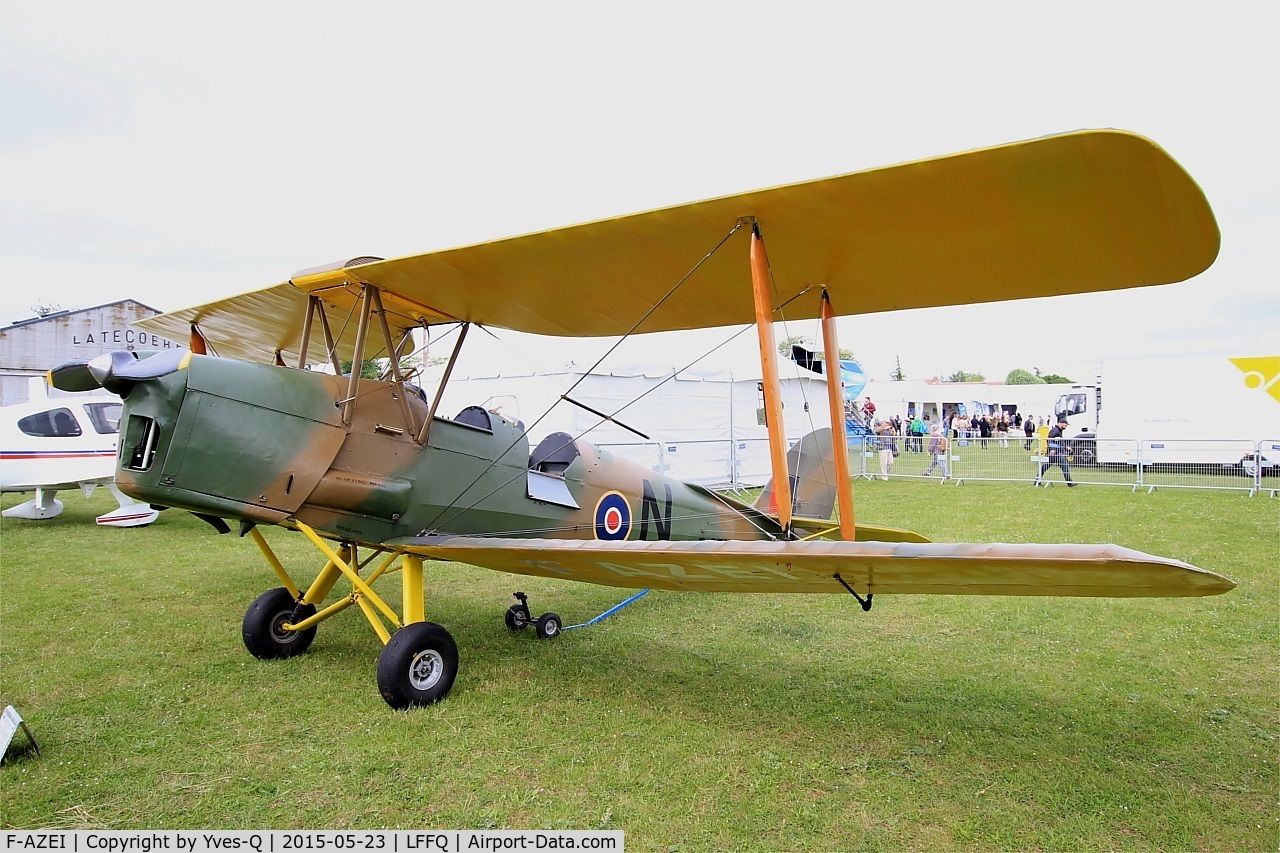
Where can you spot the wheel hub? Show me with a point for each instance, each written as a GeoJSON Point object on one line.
{"type": "Point", "coordinates": [281, 634]}
{"type": "Point", "coordinates": [426, 669]}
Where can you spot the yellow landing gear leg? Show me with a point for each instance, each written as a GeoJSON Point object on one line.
{"type": "Point", "coordinates": [412, 598]}
{"type": "Point", "coordinates": [270, 628]}
{"type": "Point", "coordinates": [419, 659]}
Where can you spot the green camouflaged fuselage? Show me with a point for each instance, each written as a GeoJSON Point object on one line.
{"type": "Point", "coordinates": [268, 444]}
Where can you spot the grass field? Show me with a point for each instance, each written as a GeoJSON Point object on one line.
{"type": "Point", "coordinates": [692, 722]}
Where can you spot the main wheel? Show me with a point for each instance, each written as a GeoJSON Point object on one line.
{"type": "Point", "coordinates": [517, 617]}
{"type": "Point", "coordinates": [263, 628]}
{"type": "Point", "coordinates": [547, 626]}
{"type": "Point", "coordinates": [417, 666]}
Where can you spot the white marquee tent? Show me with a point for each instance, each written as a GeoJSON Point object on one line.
{"type": "Point", "coordinates": [704, 426]}
{"type": "Point", "coordinates": [911, 396]}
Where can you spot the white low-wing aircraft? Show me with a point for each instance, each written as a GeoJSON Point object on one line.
{"type": "Point", "coordinates": [51, 444]}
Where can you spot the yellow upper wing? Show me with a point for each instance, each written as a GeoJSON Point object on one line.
{"type": "Point", "coordinates": [1077, 212]}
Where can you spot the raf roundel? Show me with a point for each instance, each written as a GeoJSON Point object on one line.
{"type": "Point", "coordinates": [613, 517]}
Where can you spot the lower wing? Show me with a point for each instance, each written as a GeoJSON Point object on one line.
{"type": "Point", "coordinates": [822, 566]}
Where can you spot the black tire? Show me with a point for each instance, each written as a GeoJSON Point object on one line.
{"type": "Point", "coordinates": [417, 666]}
{"type": "Point", "coordinates": [264, 636]}
{"type": "Point", "coordinates": [517, 617]}
{"type": "Point", "coordinates": [547, 626]}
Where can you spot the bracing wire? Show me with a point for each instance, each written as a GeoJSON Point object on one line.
{"type": "Point", "coordinates": [458, 510]}
{"type": "Point", "coordinates": [453, 506]}
{"type": "Point", "coordinates": [832, 371]}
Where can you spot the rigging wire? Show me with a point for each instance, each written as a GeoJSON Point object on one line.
{"type": "Point", "coordinates": [782, 318]}
{"type": "Point", "coordinates": [566, 528]}
{"type": "Point", "coordinates": [459, 510]}
{"type": "Point", "coordinates": [734, 230]}
{"type": "Point", "coordinates": [436, 520]}
{"type": "Point", "coordinates": [572, 439]}
{"type": "Point", "coordinates": [455, 504]}
{"type": "Point", "coordinates": [830, 375]}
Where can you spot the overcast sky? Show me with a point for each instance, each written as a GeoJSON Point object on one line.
{"type": "Point", "coordinates": [173, 157]}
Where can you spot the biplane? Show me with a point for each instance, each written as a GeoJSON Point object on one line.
{"type": "Point", "coordinates": [237, 427]}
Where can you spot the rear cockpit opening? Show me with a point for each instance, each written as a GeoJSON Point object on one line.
{"type": "Point", "coordinates": [554, 454]}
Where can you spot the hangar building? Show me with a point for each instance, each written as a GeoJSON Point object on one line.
{"type": "Point", "coordinates": [31, 347]}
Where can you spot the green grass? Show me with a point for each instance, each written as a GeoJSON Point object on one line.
{"type": "Point", "coordinates": [692, 722]}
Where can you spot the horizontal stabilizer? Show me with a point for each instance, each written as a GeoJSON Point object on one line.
{"type": "Point", "coordinates": [811, 567]}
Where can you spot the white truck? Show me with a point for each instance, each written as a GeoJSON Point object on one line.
{"type": "Point", "coordinates": [1204, 411]}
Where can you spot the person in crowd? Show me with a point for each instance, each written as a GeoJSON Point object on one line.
{"type": "Point", "coordinates": [985, 430]}
{"type": "Point", "coordinates": [1057, 453]}
{"type": "Point", "coordinates": [1029, 430]}
{"type": "Point", "coordinates": [915, 443]}
{"type": "Point", "coordinates": [888, 442]}
{"type": "Point", "coordinates": [938, 450]}
{"type": "Point", "coordinates": [868, 411]}
{"type": "Point", "coordinates": [1002, 428]}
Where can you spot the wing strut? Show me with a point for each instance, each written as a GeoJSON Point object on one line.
{"type": "Point", "coordinates": [357, 355]}
{"type": "Point", "coordinates": [839, 437]}
{"type": "Point", "coordinates": [316, 307]}
{"type": "Point", "coordinates": [444, 380]}
{"type": "Point", "coordinates": [393, 359]}
{"type": "Point", "coordinates": [781, 492]}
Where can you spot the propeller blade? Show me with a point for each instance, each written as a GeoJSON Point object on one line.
{"type": "Point", "coordinates": [153, 367]}
{"type": "Point", "coordinates": [73, 376]}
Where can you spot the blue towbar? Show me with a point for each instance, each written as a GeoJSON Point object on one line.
{"type": "Point", "coordinates": [610, 611]}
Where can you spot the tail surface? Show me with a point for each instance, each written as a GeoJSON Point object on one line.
{"type": "Point", "coordinates": [812, 470]}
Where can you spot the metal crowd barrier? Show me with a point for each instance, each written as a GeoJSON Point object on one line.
{"type": "Point", "coordinates": [1217, 464]}
{"type": "Point", "coordinates": [1271, 450]}
{"type": "Point", "coordinates": [1151, 464]}
{"type": "Point", "coordinates": [721, 463]}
